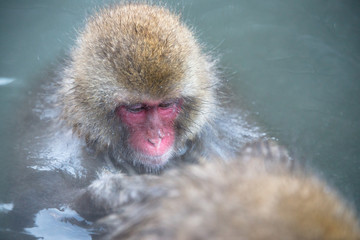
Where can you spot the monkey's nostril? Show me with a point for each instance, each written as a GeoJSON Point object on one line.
{"type": "Point", "coordinates": [160, 134]}
{"type": "Point", "coordinates": [154, 141]}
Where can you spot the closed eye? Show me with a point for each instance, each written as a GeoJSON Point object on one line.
{"type": "Point", "coordinates": [167, 104]}
{"type": "Point", "coordinates": [136, 108]}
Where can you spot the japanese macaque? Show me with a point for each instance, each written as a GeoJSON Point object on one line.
{"type": "Point", "coordinates": [262, 195]}
{"type": "Point", "coordinates": [140, 89]}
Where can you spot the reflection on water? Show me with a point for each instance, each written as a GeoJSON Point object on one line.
{"type": "Point", "coordinates": [6, 207]}
{"type": "Point", "coordinates": [294, 64]}
{"type": "Point", "coordinates": [5, 81]}
{"type": "Point", "coordinates": [59, 224]}
{"type": "Point", "coordinates": [55, 149]}
{"type": "Point", "coordinates": [59, 152]}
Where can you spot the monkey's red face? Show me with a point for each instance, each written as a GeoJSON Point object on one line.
{"type": "Point", "coordinates": [151, 128]}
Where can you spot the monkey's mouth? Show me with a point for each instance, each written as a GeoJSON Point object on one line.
{"type": "Point", "coordinates": [154, 160]}
{"type": "Point", "coordinates": [152, 147]}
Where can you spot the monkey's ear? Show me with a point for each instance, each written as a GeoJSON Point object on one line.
{"type": "Point", "coordinates": [267, 156]}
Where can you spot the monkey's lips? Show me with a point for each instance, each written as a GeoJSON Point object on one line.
{"type": "Point", "coordinates": [154, 151]}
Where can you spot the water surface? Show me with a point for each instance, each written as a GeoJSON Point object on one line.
{"type": "Point", "coordinates": [294, 66]}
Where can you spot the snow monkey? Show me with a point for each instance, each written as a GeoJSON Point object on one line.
{"type": "Point", "coordinates": [260, 196]}
{"type": "Point", "coordinates": [140, 88]}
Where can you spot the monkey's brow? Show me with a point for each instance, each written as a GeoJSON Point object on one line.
{"type": "Point", "coordinates": [144, 103]}
{"type": "Point", "coordinates": [135, 105]}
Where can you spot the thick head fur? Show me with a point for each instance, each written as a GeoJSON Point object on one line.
{"type": "Point", "coordinates": [259, 197]}
{"type": "Point", "coordinates": [136, 53]}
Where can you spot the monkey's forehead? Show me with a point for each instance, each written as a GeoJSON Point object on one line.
{"type": "Point", "coordinates": [135, 97]}
{"type": "Point", "coordinates": [144, 48]}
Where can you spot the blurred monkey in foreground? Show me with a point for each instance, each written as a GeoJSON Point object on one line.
{"type": "Point", "coordinates": [260, 196]}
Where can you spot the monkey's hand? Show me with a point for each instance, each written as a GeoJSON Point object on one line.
{"type": "Point", "coordinates": [110, 192]}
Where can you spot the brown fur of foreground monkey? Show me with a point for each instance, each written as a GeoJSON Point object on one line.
{"type": "Point", "coordinates": [259, 197]}
{"type": "Point", "coordinates": [139, 88]}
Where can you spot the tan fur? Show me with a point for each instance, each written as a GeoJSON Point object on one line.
{"type": "Point", "coordinates": [260, 197]}
{"type": "Point", "coordinates": [134, 53]}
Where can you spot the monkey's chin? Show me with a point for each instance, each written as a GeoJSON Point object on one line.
{"type": "Point", "coordinates": [154, 162]}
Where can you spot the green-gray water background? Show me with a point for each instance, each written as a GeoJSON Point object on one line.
{"type": "Point", "coordinates": [294, 65]}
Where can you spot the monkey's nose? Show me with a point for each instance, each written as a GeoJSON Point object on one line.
{"type": "Point", "coordinates": [155, 141]}
{"type": "Point", "coordinates": [160, 134]}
